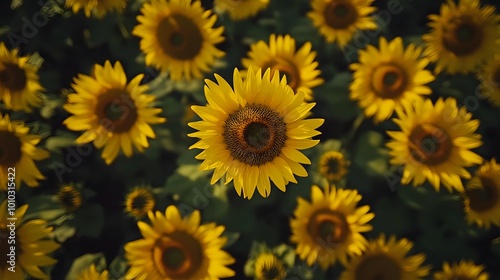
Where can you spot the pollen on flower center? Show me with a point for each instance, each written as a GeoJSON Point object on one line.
{"type": "Point", "coordinates": [287, 69]}
{"type": "Point", "coordinates": [389, 81]}
{"type": "Point", "coordinates": [117, 106]}
{"type": "Point", "coordinates": [378, 267]}
{"type": "Point", "coordinates": [429, 144]}
{"type": "Point", "coordinates": [177, 255]}
{"type": "Point", "coordinates": [254, 134]}
{"type": "Point", "coordinates": [13, 77]}
{"type": "Point", "coordinates": [485, 198]}
{"type": "Point", "coordinates": [462, 36]}
{"type": "Point", "coordinates": [328, 227]}
{"type": "Point", "coordinates": [340, 14]}
{"type": "Point", "coordinates": [179, 37]}
{"type": "Point", "coordinates": [10, 149]}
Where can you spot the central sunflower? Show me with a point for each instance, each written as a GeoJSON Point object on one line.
{"type": "Point", "coordinates": [482, 196]}
{"type": "Point", "coordinates": [434, 143]}
{"type": "Point", "coordinates": [280, 54]}
{"type": "Point", "coordinates": [330, 227]}
{"type": "Point", "coordinates": [176, 248]}
{"type": "Point", "coordinates": [269, 267]}
{"type": "Point", "coordinates": [333, 165]}
{"type": "Point", "coordinates": [389, 78]}
{"type": "Point", "coordinates": [139, 202]}
{"type": "Point", "coordinates": [339, 20]}
{"type": "Point", "coordinates": [70, 197]}
{"type": "Point", "coordinates": [386, 260]}
{"type": "Point", "coordinates": [114, 115]}
{"type": "Point", "coordinates": [464, 270]}
{"type": "Point", "coordinates": [462, 37]}
{"type": "Point", "coordinates": [178, 37]}
{"type": "Point", "coordinates": [240, 9]}
{"type": "Point", "coordinates": [253, 133]}
{"type": "Point", "coordinates": [97, 8]}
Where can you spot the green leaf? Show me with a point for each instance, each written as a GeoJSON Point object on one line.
{"type": "Point", "coordinates": [57, 143]}
{"type": "Point", "coordinates": [370, 154]}
{"type": "Point", "coordinates": [84, 262]}
{"type": "Point", "coordinates": [333, 98]}
{"type": "Point", "coordinates": [192, 171]}
{"type": "Point", "coordinates": [232, 237]}
{"type": "Point", "coordinates": [62, 233]}
{"type": "Point", "coordinates": [118, 267]}
{"type": "Point", "coordinates": [89, 220]}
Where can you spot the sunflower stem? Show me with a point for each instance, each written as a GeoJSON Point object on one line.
{"type": "Point", "coordinates": [348, 140]}
{"type": "Point", "coordinates": [121, 26]}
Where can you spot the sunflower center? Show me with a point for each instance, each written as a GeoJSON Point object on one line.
{"type": "Point", "coordinates": [254, 134]}
{"type": "Point", "coordinates": [178, 255]}
{"type": "Point", "coordinates": [10, 149]}
{"type": "Point", "coordinates": [69, 198]}
{"type": "Point", "coordinates": [462, 36]}
{"type": "Point", "coordinates": [485, 198]}
{"type": "Point", "coordinates": [429, 144]}
{"type": "Point", "coordinates": [333, 166]}
{"type": "Point", "coordinates": [340, 14]}
{"type": "Point", "coordinates": [140, 202]}
{"type": "Point", "coordinates": [117, 106]}
{"type": "Point", "coordinates": [179, 37]}
{"type": "Point", "coordinates": [13, 77]}
{"type": "Point", "coordinates": [378, 267]}
{"type": "Point", "coordinates": [270, 273]}
{"type": "Point", "coordinates": [329, 227]}
{"type": "Point", "coordinates": [389, 81]}
{"type": "Point", "coordinates": [286, 68]}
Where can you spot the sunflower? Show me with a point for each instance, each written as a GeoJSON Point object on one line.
{"type": "Point", "coordinates": [490, 79]}
{"type": "Point", "coordinates": [97, 8]}
{"type": "Point", "coordinates": [330, 227]}
{"type": "Point", "coordinates": [176, 248]}
{"type": "Point", "coordinates": [91, 273]}
{"type": "Point", "coordinates": [114, 115]}
{"type": "Point", "coordinates": [462, 37]}
{"type": "Point", "coordinates": [386, 259]}
{"type": "Point", "coordinates": [31, 247]}
{"type": "Point", "coordinates": [299, 66]}
{"type": "Point", "coordinates": [69, 197]}
{"type": "Point", "coordinates": [482, 196]}
{"type": "Point", "coordinates": [253, 133]}
{"type": "Point", "coordinates": [17, 154]}
{"type": "Point", "coordinates": [269, 267]}
{"type": "Point", "coordinates": [339, 20]}
{"type": "Point", "coordinates": [139, 202]}
{"type": "Point", "coordinates": [465, 270]}
{"type": "Point", "coordinates": [19, 86]}
{"type": "Point", "coordinates": [389, 77]}
{"type": "Point", "coordinates": [333, 165]}
{"type": "Point", "coordinates": [240, 9]}
{"type": "Point", "coordinates": [178, 37]}
{"type": "Point", "coordinates": [434, 143]}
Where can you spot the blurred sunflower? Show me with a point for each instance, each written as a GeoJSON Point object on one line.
{"type": "Point", "coordinates": [114, 115]}
{"type": "Point", "coordinates": [462, 37]}
{"type": "Point", "coordinates": [299, 66]}
{"type": "Point", "coordinates": [69, 197]}
{"type": "Point", "coordinates": [178, 37]}
{"type": "Point", "coordinates": [139, 202]}
{"type": "Point", "coordinates": [253, 133]}
{"type": "Point", "coordinates": [269, 267]}
{"type": "Point", "coordinates": [330, 227]}
{"type": "Point", "coordinates": [19, 85]}
{"type": "Point", "coordinates": [333, 165]}
{"type": "Point", "coordinates": [240, 9]}
{"type": "Point", "coordinates": [339, 20]}
{"type": "Point", "coordinates": [465, 270]}
{"type": "Point", "coordinates": [386, 259]}
{"type": "Point", "coordinates": [490, 79]}
{"type": "Point", "coordinates": [32, 245]}
{"type": "Point", "coordinates": [91, 273]}
{"type": "Point", "coordinates": [98, 8]}
{"type": "Point", "coordinates": [389, 77]}
{"type": "Point", "coordinates": [18, 150]}
{"type": "Point", "coordinates": [434, 143]}
{"type": "Point", "coordinates": [176, 248]}
{"type": "Point", "coordinates": [482, 196]}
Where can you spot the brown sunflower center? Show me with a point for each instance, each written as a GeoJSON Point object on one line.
{"type": "Point", "coordinates": [271, 272]}
{"type": "Point", "coordinates": [429, 144]}
{"type": "Point", "coordinates": [140, 202]}
{"type": "Point", "coordinates": [254, 134]}
{"type": "Point", "coordinates": [340, 14]}
{"type": "Point", "coordinates": [179, 37]}
{"type": "Point", "coordinates": [389, 81]}
{"type": "Point", "coordinates": [117, 107]}
{"type": "Point", "coordinates": [462, 36]}
{"type": "Point", "coordinates": [12, 77]}
{"type": "Point", "coordinates": [178, 255]}
{"type": "Point", "coordinates": [378, 267]}
{"type": "Point", "coordinates": [70, 198]}
{"type": "Point", "coordinates": [485, 198]}
{"type": "Point", "coordinates": [286, 68]}
{"type": "Point", "coordinates": [332, 165]}
{"type": "Point", "coordinates": [329, 227]}
{"type": "Point", "coordinates": [10, 149]}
